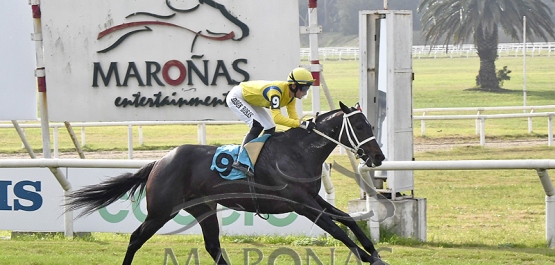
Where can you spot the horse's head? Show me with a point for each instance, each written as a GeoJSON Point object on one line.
{"type": "Point", "coordinates": [356, 132]}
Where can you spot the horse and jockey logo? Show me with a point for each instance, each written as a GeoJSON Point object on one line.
{"type": "Point", "coordinates": [159, 20]}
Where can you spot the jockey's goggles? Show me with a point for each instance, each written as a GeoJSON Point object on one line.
{"type": "Point", "coordinates": [304, 88]}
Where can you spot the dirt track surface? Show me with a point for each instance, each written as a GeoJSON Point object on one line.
{"type": "Point", "coordinates": [428, 146]}
{"type": "Point", "coordinates": [446, 145]}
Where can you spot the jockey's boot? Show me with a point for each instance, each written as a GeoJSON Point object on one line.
{"type": "Point", "coordinates": [248, 171]}
{"type": "Point", "coordinates": [243, 168]}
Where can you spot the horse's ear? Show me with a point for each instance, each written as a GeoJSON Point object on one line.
{"type": "Point", "coordinates": [358, 107]}
{"type": "Point", "coordinates": [344, 108]}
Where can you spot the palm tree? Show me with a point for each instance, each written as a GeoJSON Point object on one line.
{"type": "Point", "coordinates": [458, 20]}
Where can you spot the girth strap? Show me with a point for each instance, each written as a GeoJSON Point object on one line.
{"type": "Point", "coordinates": [252, 190]}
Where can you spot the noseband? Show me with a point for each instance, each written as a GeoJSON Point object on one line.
{"type": "Point", "coordinates": [351, 136]}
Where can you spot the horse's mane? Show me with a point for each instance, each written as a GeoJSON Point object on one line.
{"type": "Point", "coordinates": [319, 118]}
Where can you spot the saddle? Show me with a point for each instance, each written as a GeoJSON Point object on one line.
{"type": "Point", "coordinates": [227, 154]}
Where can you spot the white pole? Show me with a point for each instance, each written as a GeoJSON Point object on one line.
{"type": "Point", "coordinates": [141, 142]}
{"type": "Point", "coordinates": [524, 59]}
{"type": "Point", "coordinates": [550, 221]}
{"type": "Point", "coordinates": [55, 134]}
{"type": "Point", "coordinates": [550, 130]}
{"type": "Point", "coordinates": [549, 207]}
{"type": "Point", "coordinates": [129, 141]}
{"type": "Point", "coordinates": [482, 132]}
{"type": "Point", "coordinates": [201, 133]}
{"type": "Point", "coordinates": [83, 139]}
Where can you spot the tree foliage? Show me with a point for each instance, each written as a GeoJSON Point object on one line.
{"type": "Point", "coordinates": [479, 22]}
{"type": "Point", "coordinates": [341, 16]}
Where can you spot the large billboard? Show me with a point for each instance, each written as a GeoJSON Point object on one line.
{"type": "Point", "coordinates": [18, 90]}
{"type": "Point", "coordinates": [145, 60]}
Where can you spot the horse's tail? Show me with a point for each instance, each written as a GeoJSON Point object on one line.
{"type": "Point", "coordinates": [95, 197]}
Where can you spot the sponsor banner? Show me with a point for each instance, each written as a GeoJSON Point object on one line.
{"type": "Point", "coordinates": [161, 59]}
{"type": "Point", "coordinates": [18, 90]}
{"type": "Point", "coordinates": [31, 200]}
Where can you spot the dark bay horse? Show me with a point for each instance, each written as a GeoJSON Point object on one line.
{"type": "Point", "coordinates": [286, 179]}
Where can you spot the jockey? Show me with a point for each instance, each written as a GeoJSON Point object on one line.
{"type": "Point", "coordinates": [248, 100]}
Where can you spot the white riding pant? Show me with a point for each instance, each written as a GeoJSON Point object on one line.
{"type": "Point", "coordinates": [247, 112]}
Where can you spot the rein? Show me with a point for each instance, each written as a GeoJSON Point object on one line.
{"type": "Point", "coordinates": [347, 127]}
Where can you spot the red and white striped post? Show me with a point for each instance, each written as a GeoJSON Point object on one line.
{"type": "Point", "coordinates": [45, 126]}
{"type": "Point", "coordinates": [313, 30]}
{"type": "Point", "coordinates": [41, 77]}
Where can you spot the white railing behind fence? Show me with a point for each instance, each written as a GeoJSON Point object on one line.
{"type": "Point", "coordinates": [201, 130]}
{"type": "Point", "coordinates": [439, 51]}
{"type": "Point", "coordinates": [481, 119]}
{"type": "Point", "coordinates": [201, 125]}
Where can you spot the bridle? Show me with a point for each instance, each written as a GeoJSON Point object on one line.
{"type": "Point", "coordinates": [351, 136]}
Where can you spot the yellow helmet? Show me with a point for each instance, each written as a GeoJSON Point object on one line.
{"type": "Point", "coordinates": [300, 76]}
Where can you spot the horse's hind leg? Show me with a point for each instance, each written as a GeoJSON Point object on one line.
{"type": "Point", "coordinates": [348, 221]}
{"type": "Point", "coordinates": [144, 232]}
{"type": "Point", "coordinates": [205, 214]}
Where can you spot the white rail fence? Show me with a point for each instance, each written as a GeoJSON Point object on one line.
{"type": "Point", "coordinates": [201, 125]}
{"type": "Point", "coordinates": [201, 130]}
{"type": "Point", "coordinates": [439, 51]}
{"type": "Point", "coordinates": [481, 119]}
{"type": "Point", "coordinates": [541, 167]}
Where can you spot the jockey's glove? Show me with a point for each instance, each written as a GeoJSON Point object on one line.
{"type": "Point", "coordinates": [308, 125]}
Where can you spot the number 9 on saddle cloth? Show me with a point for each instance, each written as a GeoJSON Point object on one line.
{"type": "Point", "coordinates": [226, 154]}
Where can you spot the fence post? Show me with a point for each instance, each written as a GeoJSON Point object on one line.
{"type": "Point", "coordinates": [530, 121]}
{"type": "Point", "coordinates": [201, 133]}
{"type": "Point", "coordinates": [423, 125]}
{"type": "Point", "coordinates": [83, 136]}
{"type": "Point", "coordinates": [129, 141]}
{"type": "Point", "coordinates": [478, 123]}
{"type": "Point", "coordinates": [483, 131]}
{"type": "Point", "coordinates": [141, 135]}
{"type": "Point", "coordinates": [549, 207]}
{"type": "Point", "coordinates": [550, 130]}
{"type": "Point", "coordinates": [55, 132]}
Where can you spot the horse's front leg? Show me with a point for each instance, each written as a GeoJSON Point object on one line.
{"type": "Point", "coordinates": [348, 221]}
{"type": "Point", "coordinates": [314, 212]}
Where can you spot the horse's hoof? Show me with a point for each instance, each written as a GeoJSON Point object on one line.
{"type": "Point", "coordinates": [379, 262]}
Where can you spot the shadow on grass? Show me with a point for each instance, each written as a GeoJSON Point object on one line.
{"type": "Point", "coordinates": [496, 91]}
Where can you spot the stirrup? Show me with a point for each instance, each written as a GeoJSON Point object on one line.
{"type": "Point", "coordinates": [243, 168]}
